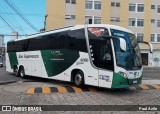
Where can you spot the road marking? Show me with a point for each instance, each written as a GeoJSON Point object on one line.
{"type": "Point", "coordinates": [30, 91]}
{"type": "Point", "coordinates": [61, 89]}
{"type": "Point", "coordinates": [77, 90]}
{"type": "Point", "coordinates": [92, 89]}
{"type": "Point", "coordinates": [73, 89]}
{"type": "Point", "coordinates": [53, 89]}
{"type": "Point", "coordinates": [132, 88]}
{"type": "Point", "coordinates": [46, 90]}
{"type": "Point", "coordinates": [69, 89]}
{"type": "Point", "coordinates": [144, 87]}
{"type": "Point", "coordinates": [156, 86]}
{"type": "Point", "coordinates": [38, 90]}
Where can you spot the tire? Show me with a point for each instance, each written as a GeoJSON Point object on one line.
{"type": "Point", "coordinates": [15, 71]}
{"type": "Point", "coordinates": [79, 79]}
{"type": "Point", "coordinates": [22, 72]}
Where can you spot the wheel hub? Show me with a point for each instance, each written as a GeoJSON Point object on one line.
{"type": "Point", "coordinates": [78, 79]}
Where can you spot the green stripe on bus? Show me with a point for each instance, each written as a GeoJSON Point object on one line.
{"type": "Point", "coordinates": [121, 82]}
{"type": "Point", "coordinates": [13, 59]}
{"type": "Point", "coordinates": [57, 61]}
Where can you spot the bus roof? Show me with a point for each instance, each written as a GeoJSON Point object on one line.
{"type": "Point", "coordinates": [74, 28]}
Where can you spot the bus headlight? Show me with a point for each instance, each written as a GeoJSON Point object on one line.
{"type": "Point", "coordinates": [123, 74]}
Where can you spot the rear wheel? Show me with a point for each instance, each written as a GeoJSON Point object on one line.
{"type": "Point", "coordinates": [79, 79]}
{"type": "Point", "coordinates": [22, 72]}
{"type": "Point", "coordinates": [15, 71]}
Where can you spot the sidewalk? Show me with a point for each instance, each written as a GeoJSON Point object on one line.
{"type": "Point", "coordinates": [151, 81]}
{"type": "Point", "coordinates": [147, 68]}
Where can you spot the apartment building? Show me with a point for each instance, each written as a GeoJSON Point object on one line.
{"type": "Point", "coordinates": [140, 16]}
{"type": "Point", "coordinates": [2, 48]}
{"type": "Point", "coordinates": [1, 41]}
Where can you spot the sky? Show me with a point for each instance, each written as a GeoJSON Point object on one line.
{"type": "Point", "coordinates": [33, 10]}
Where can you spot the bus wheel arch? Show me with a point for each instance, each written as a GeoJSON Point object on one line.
{"type": "Point", "coordinates": [77, 76]}
{"type": "Point", "coordinates": [15, 70]}
{"type": "Point", "coordinates": [22, 71]}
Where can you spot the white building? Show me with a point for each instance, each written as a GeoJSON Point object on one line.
{"type": "Point", "coordinates": [1, 41]}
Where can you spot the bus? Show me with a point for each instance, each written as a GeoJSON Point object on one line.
{"type": "Point", "coordinates": [100, 55]}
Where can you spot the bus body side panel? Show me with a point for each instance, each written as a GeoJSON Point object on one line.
{"type": "Point", "coordinates": [105, 78]}
{"type": "Point", "coordinates": [90, 73]}
{"type": "Point", "coordinates": [67, 66]}
{"type": "Point", "coordinates": [31, 61]}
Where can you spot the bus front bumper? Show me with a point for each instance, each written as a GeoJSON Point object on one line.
{"type": "Point", "coordinates": [121, 82]}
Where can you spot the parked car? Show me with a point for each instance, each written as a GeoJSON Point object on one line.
{"type": "Point", "coordinates": [1, 62]}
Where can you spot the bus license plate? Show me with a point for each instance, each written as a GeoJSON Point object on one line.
{"type": "Point", "coordinates": [135, 81]}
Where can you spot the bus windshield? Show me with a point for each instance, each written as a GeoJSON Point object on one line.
{"type": "Point", "coordinates": [131, 58]}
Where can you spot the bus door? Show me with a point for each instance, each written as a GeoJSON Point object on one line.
{"type": "Point", "coordinates": [105, 63]}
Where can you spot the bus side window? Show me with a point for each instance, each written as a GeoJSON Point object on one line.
{"type": "Point", "coordinates": [11, 47]}
{"type": "Point", "coordinates": [55, 41]}
{"type": "Point", "coordinates": [75, 40]}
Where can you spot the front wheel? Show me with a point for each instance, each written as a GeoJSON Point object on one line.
{"type": "Point", "coordinates": [22, 72]}
{"type": "Point", "coordinates": [79, 79]}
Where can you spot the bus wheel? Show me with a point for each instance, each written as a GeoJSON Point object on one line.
{"type": "Point", "coordinates": [21, 72]}
{"type": "Point", "coordinates": [79, 79]}
{"type": "Point", "coordinates": [15, 71]}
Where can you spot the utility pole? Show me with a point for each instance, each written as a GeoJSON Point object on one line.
{"type": "Point", "coordinates": [45, 22]}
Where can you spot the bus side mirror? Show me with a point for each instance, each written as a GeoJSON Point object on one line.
{"type": "Point", "coordinates": [148, 43]}
{"type": "Point", "coordinates": [122, 44]}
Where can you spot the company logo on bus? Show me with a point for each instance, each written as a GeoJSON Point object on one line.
{"type": "Point", "coordinates": [96, 31]}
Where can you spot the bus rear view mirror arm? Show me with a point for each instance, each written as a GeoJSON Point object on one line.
{"type": "Point", "coordinates": [148, 43]}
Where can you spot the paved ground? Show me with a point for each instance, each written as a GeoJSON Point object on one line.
{"type": "Point", "coordinates": [16, 94]}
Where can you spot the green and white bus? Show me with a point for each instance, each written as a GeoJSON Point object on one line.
{"type": "Point", "coordinates": [99, 55]}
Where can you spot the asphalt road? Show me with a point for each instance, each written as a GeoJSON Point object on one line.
{"type": "Point", "coordinates": [5, 76]}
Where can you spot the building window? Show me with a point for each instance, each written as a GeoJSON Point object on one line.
{"type": "Point", "coordinates": [140, 8]}
{"type": "Point", "coordinates": [153, 6]}
{"type": "Point", "coordinates": [112, 3]}
{"type": "Point", "coordinates": [152, 20]}
{"type": "Point", "coordinates": [67, 1]}
{"type": "Point", "coordinates": [67, 17]}
{"type": "Point", "coordinates": [132, 21]}
{"type": "Point", "coordinates": [97, 5]}
{"type": "Point", "coordinates": [89, 20]}
{"type": "Point", "coordinates": [97, 20]}
{"type": "Point", "coordinates": [140, 37]}
{"type": "Point", "coordinates": [158, 9]}
{"type": "Point", "coordinates": [93, 20]}
{"type": "Point", "coordinates": [117, 4]}
{"type": "Point", "coordinates": [115, 19]}
{"type": "Point", "coordinates": [73, 17]}
{"type": "Point", "coordinates": [132, 7]}
{"type": "Point", "coordinates": [70, 17]}
{"type": "Point", "coordinates": [158, 37]}
{"type": "Point", "coordinates": [158, 23]}
{"type": "Point", "coordinates": [152, 37]}
{"type": "Point", "coordinates": [71, 1]}
{"type": "Point", "coordinates": [89, 4]}
{"type": "Point", "coordinates": [140, 22]}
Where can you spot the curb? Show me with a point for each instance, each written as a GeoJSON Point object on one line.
{"type": "Point", "coordinates": [59, 89]}
{"type": "Point", "coordinates": [145, 87]}
{"type": "Point", "coordinates": [73, 89]}
{"type": "Point", "coordinates": [7, 82]}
